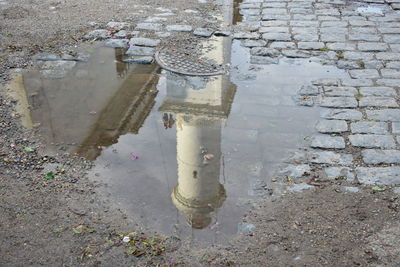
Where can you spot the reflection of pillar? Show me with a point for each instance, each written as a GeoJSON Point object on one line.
{"type": "Point", "coordinates": [198, 192]}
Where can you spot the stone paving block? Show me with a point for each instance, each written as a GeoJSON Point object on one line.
{"type": "Point", "coordinates": [379, 156]}
{"type": "Point", "coordinates": [334, 173]}
{"type": "Point", "coordinates": [118, 25]}
{"type": "Point", "coordinates": [295, 171]}
{"type": "Point", "coordinates": [144, 41]}
{"type": "Point", "coordinates": [246, 35]}
{"type": "Point", "coordinates": [304, 17]}
{"type": "Point", "coordinates": [304, 30]}
{"type": "Point", "coordinates": [264, 51]}
{"type": "Point", "coordinates": [384, 114]}
{"type": "Point", "coordinates": [364, 37]}
{"type": "Point", "coordinates": [140, 51]}
{"type": "Point", "coordinates": [395, 47]}
{"type": "Point", "coordinates": [300, 10]}
{"type": "Point", "coordinates": [396, 127]}
{"type": "Point", "coordinates": [274, 23]}
{"type": "Point", "coordinates": [389, 82]}
{"type": "Point", "coordinates": [277, 36]}
{"type": "Point", "coordinates": [308, 90]}
{"type": "Point", "coordinates": [393, 65]}
{"type": "Point", "coordinates": [310, 45]}
{"type": "Point", "coordinates": [100, 34]}
{"type": "Point", "coordinates": [341, 114]}
{"type": "Point", "coordinates": [373, 64]}
{"type": "Point", "coordinates": [357, 82]}
{"type": "Point", "coordinates": [341, 46]}
{"type": "Point", "coordinates": [390, 73]}
{"type": "Point", "coordinates": [179, 28]}
{"type": "Point", "coordinates": [369, 127]}
{"type": "Point", "coordinates": [275, 17]}
{"type": "Point", "coordinates": [339, 91]}
{"type": "Point", "coordinates": [275, 11]}
{"type": "Point", "coordinates": [391, 38]}
{"type": "Point", "coordinates": [327, 141]}
{"type": "Point", "coordinates": [387, 56]}
{"type": "Point", "coordinates": [295, 53]}
{"type": "Point", "coordinates": [283, 45]}
{"type": "Point", "coordinates": [378, 175]}
{"type": "Point", "coordinates": [359, 30]}
{"type": "Point", "coordinates": [339, 102]}
{"type": "Point", "coordinates": [328, 37]}
{"type": "Point", "coordinates": [263, 60]}
{"type": "Point", "coordinates": [372, 141]}
{"type": "Point", "coordinates": [306, 37]}
{"type": "Point", "coordinates": [305, 23]}
{"type": "Point", "coordinates": [149, 26]}
{"type": "Point", "coordinates": [348, 65]}
{"type": "Point", "coordinates": [364, 74]}
{"type": "Point", "coordinates": [377, 101]}
{"type": "Point", "coordinates": [334, 24]}
{"type": "Point", "coordinates": [333, 31]}
{"type": "Point", "coordinates": [350, 55]}
{"type": "Point", "coordinates": [274, 4]}
{"type": "Point", "coordinates": [329, 157]}
{"type": "Point", "coordinates": [331, 126]}
{"type": "Point", "coordinates": [388, 30]}
{"type": "Point", "coordinates": [253, 43]}
{"type": "Point", "coordinates": [203, 32]}
{"type": "Point", "coordinates": [372, 46]}
{"type": "Point", "coordinates": [117, 43]}
{"type": "Point", "coordinates": [326, 82]}
{"type": "Point", "coordinates": [377, 91]}
{"type": "Point", "coordinates": [361, 23]}
{"type": "Point", "coordinates": [274, 30]}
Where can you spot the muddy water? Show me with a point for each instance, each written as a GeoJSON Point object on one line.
{"type": "Point", "coordinates": [181, 155]}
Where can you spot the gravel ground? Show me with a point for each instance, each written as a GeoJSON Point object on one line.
{"type": "Point", "coordinates": [52, 215]}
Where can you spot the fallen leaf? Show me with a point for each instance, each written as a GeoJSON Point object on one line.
{"type": "Point", "coordinates": [49, 176]}
{"type": "Point", "coordinates": [378, 189]}
{"type": "Point", "coordinates": [29, 149]}
{"type": "Point", "coordinates": [208, 156]}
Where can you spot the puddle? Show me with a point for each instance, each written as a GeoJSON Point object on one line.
{"type": "Point", "coordinates": [181, 155]}
{"type": "Point", "coordinates": [237, 17]}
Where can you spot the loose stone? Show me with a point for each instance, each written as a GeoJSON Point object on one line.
{"type": "Point", "coordinates": [144, 42]}
{"type": "Point", "coordinates": [179, 28]}
{"type": "Point", "coordinates": [140, 51]}
{"type": "Point", "coordinates": [203, 32]}
{"type": "Point", "coordinates": [337, 173]}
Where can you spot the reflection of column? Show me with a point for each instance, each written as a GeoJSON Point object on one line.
{"type": "Point", "coordinates": [198, 192]}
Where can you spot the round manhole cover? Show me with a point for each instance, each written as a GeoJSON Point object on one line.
{"type": "Point", "coordinates": [185, 63]}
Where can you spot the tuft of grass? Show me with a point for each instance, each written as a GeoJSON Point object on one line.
{"type": "Point", "coordinates": [325, 49]}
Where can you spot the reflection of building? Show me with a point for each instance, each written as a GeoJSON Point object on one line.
{"type": "Point", "coordinates": [125, 112]}
{"type": "Point", "coordinates": [200, 105]}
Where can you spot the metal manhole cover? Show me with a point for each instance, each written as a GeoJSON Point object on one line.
{"type": "Point", "coordinates": [187, 64]}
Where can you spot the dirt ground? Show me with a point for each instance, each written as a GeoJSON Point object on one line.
{"type": "Point", "coordinates": [64, 222]}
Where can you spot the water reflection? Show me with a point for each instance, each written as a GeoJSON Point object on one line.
{"type": "Point", "coordinates": [200, 106]}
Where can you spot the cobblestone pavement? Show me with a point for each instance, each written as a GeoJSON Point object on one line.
{"type": "Point", "coordinates": [358, 131]}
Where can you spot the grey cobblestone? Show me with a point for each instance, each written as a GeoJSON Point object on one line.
{"type": "Point", "coordinates": [339, 102]}
{"type": "Point", "coordinates": [387, 56]}
{"type": "Point", "coordinates": [308, 90]}
{"type": "Point", "coordinates": [369, 127]}
{"type": "Point", "coordinates": [310, 45]}
{"type": "Point", "coordinates": [389, 82]}
{"type": "Point", "coordinates": [396, 127]}
{"type": "Point", "coordinates": [341, 114]}
{"type": "Point", "coordinates": [264, 51]}
{"type": "Point", "coordinates": [372, 46]}
{"type": "Point", "coordinates": [358, 55]}
{"type": "Point", "coordinates": [327, 141]}
{"type": "Point", "coordinates": [378, 175]}
{"type": "Point", "coordinates": [253, 43]}
{"type": "Point", "coordinates": [393, 65]}
{"type": "Point", "coordinates": [331, 126]}
{"type": "Point", "coordinates": [384, 114]}
{"type": "Point", "coordinates": [349, 65]}
{"type": "Point", "coordinates": [379, 156]}
{"type": "Point", "coordinates": [339, 173]}
{"type": "Point", "coordinates": [295, 53]}
{"type": "Point", "coordinates": [276, 36]}
{"type": "Point", "coordinates": [295, 171]}
{"type": "Point", "coordinates": [364, 74]}
{"type": "Point", "coordinates": [357, 82]}
{"type": "Point", "coordinates": [372, 141]}
{"type": "Point", "coordinates": [390, 73]}
{"type": "Point", "coordinates": [341, 46]}
{"type": "Point", "coordinates": [274, 29]}
{"type": "Point", "coordinates": [340, 91]}
{"type": "Point", "coordinates": [263, 60]}
{"type": "Point", "coordinates": [378, 101]}
{"type": "Point", "coordinates": [329, 157]}
{"type": "Point", "coordinates": [283, 45]}
{"type": "Point", "coordinates": [377, 91]}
